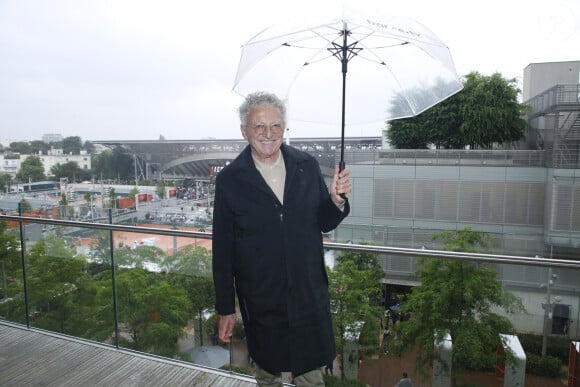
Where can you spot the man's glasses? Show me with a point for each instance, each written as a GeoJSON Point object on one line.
{"type": "Point", "coordinates": [275, 128]}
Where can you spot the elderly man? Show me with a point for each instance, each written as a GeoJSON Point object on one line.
{"type": "Point", "coordinates": [270, 210]}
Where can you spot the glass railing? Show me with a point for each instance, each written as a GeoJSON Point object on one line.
{"type": "Point", "coordinates": [149, 288]}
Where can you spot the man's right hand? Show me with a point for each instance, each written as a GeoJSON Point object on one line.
{"type": "Point", "coordinates": [226, 327]}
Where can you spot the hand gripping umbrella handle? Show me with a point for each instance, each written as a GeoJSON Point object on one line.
{"type": "Point", "coordinates": [341, 167]}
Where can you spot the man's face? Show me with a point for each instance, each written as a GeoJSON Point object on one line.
{"type": "Point", "coordinates": [265, 133]}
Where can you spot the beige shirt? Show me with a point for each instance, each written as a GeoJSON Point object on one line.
{"type": "Point", "coordinates": [275, 175]}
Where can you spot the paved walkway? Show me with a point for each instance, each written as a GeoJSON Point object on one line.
{"type": "Point", "coordinates": [387, 370]}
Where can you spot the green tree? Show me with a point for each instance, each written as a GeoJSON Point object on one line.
{"type": "Point", "coordinates": [31, 169]}
{"type": "Point", "coordinates": [39, 146]}
{"type": "Point", "coordinates": [64, 210]}
{"type": "Point", "coordinates": [102, 164]}
{"type": "Point", "coordinates": [139, 257]}
{"type": "Point", "coordinates": [71, 170]}
{"type": "Point", "coordinates": [191, 270]}
{"type": "Point", "coordinates": [89, 147]}
{"type": "Point", "coordinates": [151, 311]}
{"type": "Point", "coordinates": [112, 198]}
{"type": "Point", "coordinates": [93, 318]}
{"type": "Point", "coordinates": [439, 126]}
{"type": "Point", "coordinates": [6, 182]}
{"type": "Point", "coordinates": [160, 189]}
{"type": "Point", "coordinates": [133, 192]}
{"type": "Point", "coordinates": [456, 297]}
{"type": "Point", "coordinates": [354, 288]}
{"type": "Point", "coordinates": [486, 112]}
{"type": "Point", "coordinates": [25, 205]}
{"type": "Point", "coordinates": [11, 289]}
{"type": "Point", "coordinates": [9, 263]}
{"type": "Point", "coordinates": [113, 164]}
{"type": "Point", "coordinates": [54, 275]}
{"type": "Point", "coordinates": [72, 145]}
{"type": "Point", "coordinates": [491, 113]}
{"type": "Point", "coordinates": [22, 147]}
{"type": "Point", "coordinates": [191, 260]}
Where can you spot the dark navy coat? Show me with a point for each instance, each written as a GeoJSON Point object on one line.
{"type": "Point", "coordinates": [272, 255]}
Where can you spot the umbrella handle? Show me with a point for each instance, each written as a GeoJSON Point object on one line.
{"type": "Point", "coordinates": [341, 166]}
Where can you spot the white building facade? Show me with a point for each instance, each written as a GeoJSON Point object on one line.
{"type": "Point", "coordinates": [10, 162]}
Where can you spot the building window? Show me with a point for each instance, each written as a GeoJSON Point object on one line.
{"type": "Point", "coordinates": [561, 319]}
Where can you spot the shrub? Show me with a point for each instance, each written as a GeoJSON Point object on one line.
{"type": "Point", "coordinates": [548, 366]}
{"type": "Point", "coordinates": [557, 346]}
{"type": "Point", "coordinates": [333, 381]}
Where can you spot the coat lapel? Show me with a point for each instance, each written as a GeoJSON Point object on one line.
{"type": "Point", "coordinates": [250, 174]}
{"type": "Point", "coordinates": [290, 162]}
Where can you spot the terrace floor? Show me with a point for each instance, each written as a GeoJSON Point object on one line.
{"type": "Point", "coordinates": [30, 357]}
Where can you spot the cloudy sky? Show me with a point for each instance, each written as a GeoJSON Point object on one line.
{"type": "Point", "coordinates": [138, 69]}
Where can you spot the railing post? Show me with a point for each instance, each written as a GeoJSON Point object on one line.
{"type": "Point", "coordinates": [113, 284]}
{"type": "Point", "coordinates": [23, 263]}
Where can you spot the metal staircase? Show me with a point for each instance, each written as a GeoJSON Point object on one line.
{"type": "Point", "coordinates": [555, 118]}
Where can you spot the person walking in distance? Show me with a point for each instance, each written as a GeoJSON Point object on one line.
{"type": "Point", "coordinates": [405, 381]}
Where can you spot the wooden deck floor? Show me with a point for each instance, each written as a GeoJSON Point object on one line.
{"type": "Point", "coordinates": [30, 357]}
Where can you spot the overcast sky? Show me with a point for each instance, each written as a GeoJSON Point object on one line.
{"type": "Point", "coordinates": [138, 69]}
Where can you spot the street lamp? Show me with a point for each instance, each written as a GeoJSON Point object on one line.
{"type": "Point", "coordinates": [548, 308]}
{"type": "Point", "coordinates": [174, 225]}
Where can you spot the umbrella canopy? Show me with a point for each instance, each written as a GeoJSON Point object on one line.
{"type": "Point", "coordinates": [396, 68]}
{"type": "Point", "coordinates": [210, 356]}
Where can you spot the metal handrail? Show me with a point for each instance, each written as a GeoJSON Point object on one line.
{"type": "Point", "coordinates": [425, 253]}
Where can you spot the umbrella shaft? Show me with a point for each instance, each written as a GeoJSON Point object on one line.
{"type": "Point", "coordinates": [344, 61]}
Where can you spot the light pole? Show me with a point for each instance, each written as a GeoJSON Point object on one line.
{"type": "Point", "coordinates": [548, 309]}
{"type": "Point", "coordinates": [174, 226]}
{"type": "Point", "coordinates": [92, 207]}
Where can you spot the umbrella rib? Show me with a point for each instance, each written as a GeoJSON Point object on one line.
{"type": "Point", "coordinates": [317, 49]}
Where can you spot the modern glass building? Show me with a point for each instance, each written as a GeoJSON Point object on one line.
{"type": "Point", "coordinates": [527, 199]}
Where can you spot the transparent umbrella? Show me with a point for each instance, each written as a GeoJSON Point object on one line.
{"type": "Point", "coordinates": [396, 68]}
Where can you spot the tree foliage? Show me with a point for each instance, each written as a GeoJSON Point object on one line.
{"type": "Point", "coordinates": [190, 269]}
{"type": "Point", "coordinates": [491, 113]}
{"type": "Point", "coordinates": [456, 297]}
{"type": "Point", "coordinates": [55, 276]}
{"type": "Point", "coordinates": [31, 169]}
{"type": "Point", "coordinates": [72, 145]}
{"type": "Point", "coordinates": [113, 164]}
{"type": "Point", "coordinates": [69, 145]}
{"type": "Point", "coordinates": [6, 182]}
{"type": "Point", "coordinates": [71, 170]}
{"type": "Point", "coordinates": [37, 146]}
{"type": "Point", "coordinates": [160, 189]}
{"type": "Point", "coordinates": [152, 311]}
{"type": "Point", "coordinates": [72, 294]}
{"type": "Point", "coordinates": [139, 257]}
{"type": "Point", "coordinates": [354, 288]}
{"type": "Point", "coordinates": [24, 205]}
{"type": "Point", "coordinates": [485, 113]}
{"type": "Point", "coordinates": [9, 263]}
{"type": "Point", "coordinates": [22, 147]}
